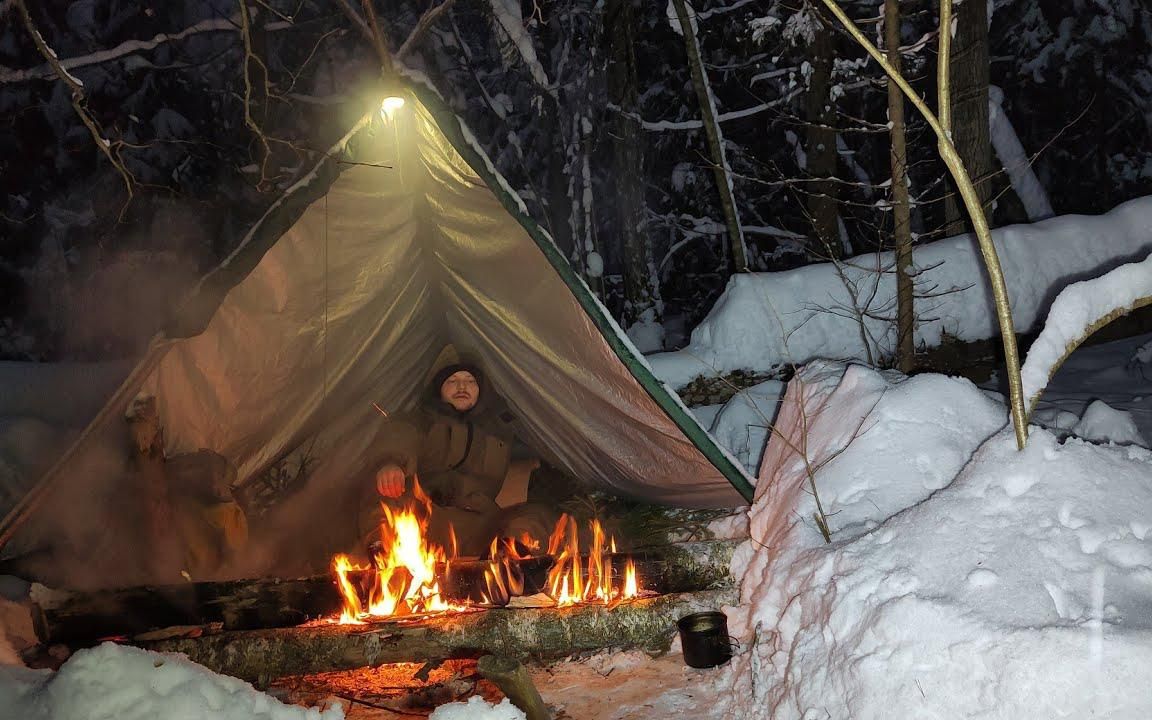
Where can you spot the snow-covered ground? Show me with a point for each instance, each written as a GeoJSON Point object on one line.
{"type": "Point", "coordinates": [964, 578]}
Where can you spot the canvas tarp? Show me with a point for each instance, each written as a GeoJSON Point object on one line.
{"type": "Point", "coordinates": [400, 249]}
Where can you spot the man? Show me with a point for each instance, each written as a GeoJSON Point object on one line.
{"type": "Point", "coordinates": [459, 446]}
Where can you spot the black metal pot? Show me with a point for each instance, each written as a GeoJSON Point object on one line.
{"type": "Point", "coordinates": [704, 638]}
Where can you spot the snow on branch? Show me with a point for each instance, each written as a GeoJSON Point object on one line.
{"type": "Point", "coordinates": [662, 125]}
{"type": "Point", "coordinates": [47, 71]}
{"type": "Point", "coordinates": [508, 14]}
{"type": "Point", "coordinates": [1078, 311]}
{"type": "Point", "coordinates": [77, 98]}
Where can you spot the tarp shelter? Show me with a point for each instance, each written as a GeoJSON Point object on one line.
{"type": "Point", "coordinates": [403, 240]}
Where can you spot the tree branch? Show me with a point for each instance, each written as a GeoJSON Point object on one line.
{"type": "Point", "coordinates": [251, 57]}
{"type": "Point", "coordinates": [426, 21]}
{"type": "Point", "coordinates": [77, 99]}
{"type": "Point", "coordinates": [8, 75]}
{"type": "Point", "coordinates": [975, 209]}
{"type": "Point", "coordinates": [378, 40]}
{"type": "Point", "coordinates": [356, 19]}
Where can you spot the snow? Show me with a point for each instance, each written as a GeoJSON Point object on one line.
{"type": "Point", "coordinates": [1015, 160]}
{"type": "Point", "coordinates": [477, 708]}
{"type": "Point", "coordinates": [508, 14]}
{"type": "Point", "coordinates": [1077, 308]}
{"type": "Point", "coordinates": [111, 682]}
{"type": "Point", "coordinates": [764, 320]}
{"type": "Point", "coordinates": [976, 582]}
{"type": "Point", "coordinates": [1103, 423]}
{"type": "Point", "coordinates": [963, 578]}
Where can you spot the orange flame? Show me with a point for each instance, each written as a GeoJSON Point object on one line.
{"type": "Point", "coordinates": [503, 577]}
{"type": "Point", "coordinates": [570, 584]}
{"type": "Point", "coordinates": [403, 577]}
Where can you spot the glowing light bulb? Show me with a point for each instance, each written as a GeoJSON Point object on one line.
{"type": "Point", "coordinates": [390, 105]}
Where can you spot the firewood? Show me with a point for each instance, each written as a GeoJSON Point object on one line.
{"type": "Point", "coordinates": [514, 681]}
{"type": "Point", "coordinates": [80, 618]}
{"type": "Point", "coordinates": [547, 634]}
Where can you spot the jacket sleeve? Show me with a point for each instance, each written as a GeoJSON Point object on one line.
{"type": "Point", "coordinates": [402, 440]}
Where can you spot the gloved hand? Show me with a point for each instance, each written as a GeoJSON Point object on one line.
{"type": "Point", "coordinates": [390, 481]}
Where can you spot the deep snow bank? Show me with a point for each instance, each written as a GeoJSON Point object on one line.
{"type": "Point", "coordinates": [1017, 587]}
{"type": "Point", "coordinates": [111, 682]}
{"type": "Point", "coordinates": [763, 320]}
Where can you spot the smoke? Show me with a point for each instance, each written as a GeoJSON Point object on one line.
{"type": "Point", "coordinates": [100, 300]}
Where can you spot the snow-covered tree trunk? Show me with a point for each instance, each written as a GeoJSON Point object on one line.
{"type": "Point", "coordinates": [820, 147]}
{"type": "Point", "coordinates": [968, 73]}
{"type": "Point", "coordinates": [642, 305]}
{"type": "Point", "coordinates": [901, 214]}
{"type": "Point", "coordinates": [739, 251]}
{"type": "Point", "coordinates": [1015, 161]}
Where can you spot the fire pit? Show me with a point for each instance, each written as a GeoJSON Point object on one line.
{"type": "Point", "coordinates": [412, 602]}
{"type": "Point", "coordinates": [410, 576]}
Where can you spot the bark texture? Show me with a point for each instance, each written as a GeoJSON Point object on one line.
{"type": "Point", "coordinates": [820, 149]}
{"type": "Point", "coordinates": [901, 210]}
{"type": "Point", "coordinates": [263, 655]}
{"type": "Point", "coordinates": [641, 290]}
{"type": "Point", "coordinates": [968, 74]}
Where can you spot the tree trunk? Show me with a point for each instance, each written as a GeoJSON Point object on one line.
{"type": "Point", "coordinates": [737, 249]}
{"type": "Point", "coordinates": [641, 287]}
{"type": "Point", "coordinates": [901, 225]}
{"type": "Point", "coordinates": [969, 92]}
{"type": "Point", "coordinates": [539, 634]}
{"type": "Point", "coordinates": [820, 149]}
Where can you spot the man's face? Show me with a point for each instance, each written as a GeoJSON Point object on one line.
{"type": "Point", "coordinates": [460, 390]}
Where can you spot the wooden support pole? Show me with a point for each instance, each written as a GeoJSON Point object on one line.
{"type": "Point", "coordinates": [514, 681]}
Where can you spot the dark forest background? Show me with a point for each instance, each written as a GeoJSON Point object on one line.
{"type": "Point", "coordinates": [588, 108]}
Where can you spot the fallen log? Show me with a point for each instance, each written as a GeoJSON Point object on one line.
{"type": "Point", "coordinates": [261, 656]}
{"type": "Point", "coordinates": [79, 618]}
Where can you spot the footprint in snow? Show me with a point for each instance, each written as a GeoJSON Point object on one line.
{"type": "Point", "coordinates": [982, 578]}
{"type": "Point", "coordinates": [1068, 520]}
{"type": "Point", "coordinates": [1017, 485]}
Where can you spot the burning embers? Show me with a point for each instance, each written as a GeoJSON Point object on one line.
{"type": "Point", "coordinates": [408, 575]}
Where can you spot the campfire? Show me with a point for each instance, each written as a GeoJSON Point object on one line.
{"type": "Point", "coordinates": [408, 575]}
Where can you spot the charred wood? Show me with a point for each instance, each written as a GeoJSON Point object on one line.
{"type": "Point", "coordinates": [79, 618]}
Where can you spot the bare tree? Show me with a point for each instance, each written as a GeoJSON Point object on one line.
{"type": "Point", "coordinates": [942, 127]}
{"type": "Point", "coordinates": [641, 284]}
{"type": "Point", "coordinates": [715, 138]}
{"type": "Point", "coordinates": [901, 212]}
{"type": "Point", "coordinates": [820, 146]}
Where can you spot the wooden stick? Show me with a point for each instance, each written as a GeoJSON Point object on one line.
{"type": "Point", "coordinates": [514, 681]}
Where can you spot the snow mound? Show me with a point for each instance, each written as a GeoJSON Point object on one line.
{"type": "Point", "coordinates": [111, 682]}
{"type": "Point", "coordinates": [1103, 423]}
{"type": "Point", "coordinates": [764, 320]}
{"type": "Point", "coordinates": [741, 425]}
{"type": "Point", "coordinates": [477, 708]}
{"type": "Point", "coordinates": [972, 579]}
